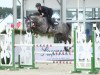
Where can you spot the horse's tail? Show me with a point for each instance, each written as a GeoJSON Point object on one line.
{"type": "Point", "coordinates": [69, 26]}
{"type": "Point", "coordinates": [69, 32]}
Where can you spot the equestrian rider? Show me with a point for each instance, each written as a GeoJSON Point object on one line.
{"type": "Point", "coordinates": [45, 12]}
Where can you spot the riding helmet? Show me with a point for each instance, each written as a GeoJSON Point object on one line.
{"type": "Point", "coordinates": [38, 4]}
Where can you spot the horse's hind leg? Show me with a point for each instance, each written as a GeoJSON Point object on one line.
{"type": "Point", "coordinates": [69, 40]}
{"type": "Point", "coordinates": [66, 48]}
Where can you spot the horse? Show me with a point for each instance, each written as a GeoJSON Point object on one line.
{"type": "Point", "coordinates": [37, 24]}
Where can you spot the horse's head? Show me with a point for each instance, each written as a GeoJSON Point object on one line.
{"type": "Point", "coordinates": [32, 22]}
{"type": "Point", "coordinates": [36, 23]}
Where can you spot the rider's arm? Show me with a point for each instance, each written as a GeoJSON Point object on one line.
{"type": "Point", "coordinates": [44, 11]}
{"type": "Point", "coordinates": [41, 13]}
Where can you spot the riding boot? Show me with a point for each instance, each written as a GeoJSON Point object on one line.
{"type": "Point", "coordinates": [50, 22]}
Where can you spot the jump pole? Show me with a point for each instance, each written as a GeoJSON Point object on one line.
{"type": "Point", "coordinates": [13, 49]}
{"type": "Point", "coordinates": [75, 69]}
{"type": "Point", "coordinates": [93, 68]}
{"type": "Point", "coordinates": [33, 53]}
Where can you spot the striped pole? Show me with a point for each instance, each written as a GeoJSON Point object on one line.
{"type": "Point", "coordinates": [55, 62]}
{"type": "Point", "coordinates": [44, 45]}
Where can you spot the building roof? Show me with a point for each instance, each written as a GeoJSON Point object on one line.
{"type": "Point", "coordinates": [7, 22]}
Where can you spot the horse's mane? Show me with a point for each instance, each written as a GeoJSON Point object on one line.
{"type": "Point", "coordinates": [35, 14]}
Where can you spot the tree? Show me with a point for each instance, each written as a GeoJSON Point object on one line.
{"type": "Point", "coordinates": [4, 12]}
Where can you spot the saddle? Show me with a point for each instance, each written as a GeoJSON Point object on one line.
{"type": "Point", "coordinates": [55, 24]}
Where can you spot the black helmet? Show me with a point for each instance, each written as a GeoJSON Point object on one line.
{"type": "Point", "coordinates": [38, 4]}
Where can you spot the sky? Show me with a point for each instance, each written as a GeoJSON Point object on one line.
{"type": "Point", "coordinates": [7, 3]}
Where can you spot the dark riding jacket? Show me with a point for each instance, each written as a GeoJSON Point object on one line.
{"type": "Point", "coordinates": [46, 11]}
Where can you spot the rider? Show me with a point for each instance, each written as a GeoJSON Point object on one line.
{"type": "Point", "coordinates": [45, 12]}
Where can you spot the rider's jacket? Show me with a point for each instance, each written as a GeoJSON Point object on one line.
{"type": "Point", "coordinates": [46, 11]}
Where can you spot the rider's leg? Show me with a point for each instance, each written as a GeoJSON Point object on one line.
{"type": "Point", "coordinates": [49, 17]}
{"type": "Point", "coordinates": [50, 21]}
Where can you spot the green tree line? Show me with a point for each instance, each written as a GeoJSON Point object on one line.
{"type": "Point", "coordinates": [4, 12]}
